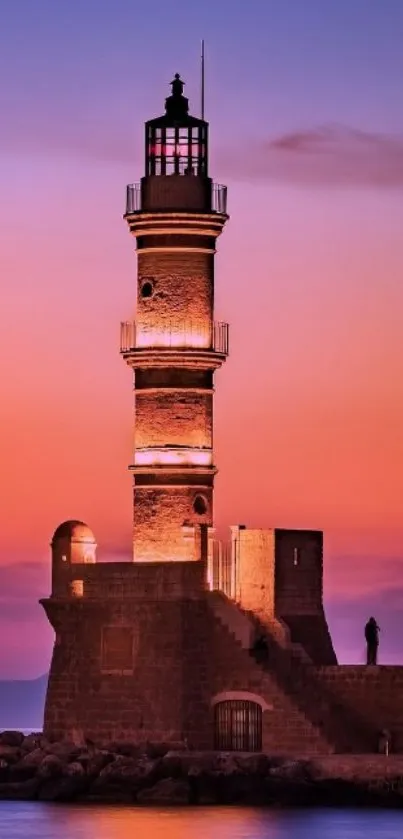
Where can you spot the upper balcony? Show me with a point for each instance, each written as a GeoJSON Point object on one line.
{"type": "Point", "coordinates": [186, 342]}
{"type": "Point", "coordinates": [175, 335]}
{"type": "Point", "coordinates": [176, 193]}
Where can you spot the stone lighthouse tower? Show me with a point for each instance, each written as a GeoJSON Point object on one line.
{"type": "Point", "coordinates": [174, 344]}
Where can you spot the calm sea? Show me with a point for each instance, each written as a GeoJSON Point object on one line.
{"type": "Point", "coordinates": [49, 821]}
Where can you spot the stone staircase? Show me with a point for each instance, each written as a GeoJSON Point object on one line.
{"type": "Point", "coordinates": [286, 662]}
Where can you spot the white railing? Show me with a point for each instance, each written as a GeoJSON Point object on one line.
{"type": "Point", "coordinates": [175, 335]}
{"type": "Point", "coordinates": [218, 201]}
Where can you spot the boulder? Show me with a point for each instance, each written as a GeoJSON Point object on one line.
{"type": "Point", "coordinates": [28, 765]}
{"type": "Point", "coordinates": [64, 788]}
{"type": "Point", "coordinates": [166, 791]}
{"type": "Point", "coordinates": [11, 738]}
{"type": "Point", "coordinates": [74, 770]}
{"type": "Point", "coordinates": [292, 770]}
{"type": "Point", "coordinates": [19, 790]}
{"type": "Point", "coordinates": [33, 741]}
{"type": "Point", "coordinates": [120, 779]}
{"type": "Point", "coordinates": [65, 750]}
{"type": "Point", "coordinates": [4, 771]}
{"type": "Point", "coordinates": [10, 754]}
{"type": "Point", "coordinates": [94, 761]}
{"type": "Point", "coordinates": [157, 750]}
{"type": "Point", "coordinates": [50, 767]}
{"type": "Point", "coordinates": [226, 763]}
{"type": "Point", "coordinates": [125, 749]}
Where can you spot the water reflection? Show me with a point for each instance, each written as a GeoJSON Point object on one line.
{"type": "Point", "coordinates": [48, 821]}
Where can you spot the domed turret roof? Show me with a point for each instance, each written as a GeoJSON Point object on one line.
{"type": "Point", "coordinates": [75, 531]}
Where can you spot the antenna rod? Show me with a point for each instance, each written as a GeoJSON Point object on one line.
{"type": "Point", "coordinates": [202, 79]}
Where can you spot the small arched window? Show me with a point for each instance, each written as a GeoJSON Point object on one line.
{"type": "Point", "coordinates": [238, 726]}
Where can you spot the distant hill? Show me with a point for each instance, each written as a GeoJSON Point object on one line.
{"type": "Point", "coordinates": [22, 703]}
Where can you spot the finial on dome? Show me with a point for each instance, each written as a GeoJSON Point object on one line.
{"type": "Point", "coordinates": [177, 85]}
{"type": "Point", "coordinates": [176, 105]}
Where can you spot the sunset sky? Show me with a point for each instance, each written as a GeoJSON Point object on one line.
{"type": "Point", "coordinates": [304, 98]}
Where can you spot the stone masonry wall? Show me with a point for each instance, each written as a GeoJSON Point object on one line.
{"type": "Point", "coordinates": [182, 657]}
{"type": "Point", "coordinates": [172, 418]}
{"type": "Point", "coordinates": [87, 697]}
{"type": "Point", "coordinates": [134, 580]}
{"type": "Point", "coordinates": [298, 572]}
{"type": "Point", "coordinates": [183, 289]}
{"type": "Point", "coordinates": [159, 518]}
{"type": "Point", "coordinates": [253, 551]}
{"type": "Point", "coordinates": [375, 692]}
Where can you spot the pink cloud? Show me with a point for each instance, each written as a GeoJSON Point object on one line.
{"type": "Point", "coordinates": [331, 156]}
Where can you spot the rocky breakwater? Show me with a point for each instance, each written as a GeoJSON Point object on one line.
{"type": "Point", "coordinates": [32, 768]}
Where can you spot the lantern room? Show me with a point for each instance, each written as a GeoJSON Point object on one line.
{"type": "Point", "coordinates": [176, 143]}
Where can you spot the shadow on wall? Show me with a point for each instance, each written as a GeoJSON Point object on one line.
{"type": "Point", "coordinates": [22, 703]}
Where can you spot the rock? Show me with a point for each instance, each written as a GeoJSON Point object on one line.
{"type": "Point", "coordinates": [74, 770]}
{"type": "Point", "coordinates": [226, 763]}
{"type": "Point", "coordinates": [126, 749]}
{"type": "Point", "coordinates": [94, 761]}
{"type": "Point", "coordinates": [66, 788]}
{"type": "Point", "coordinates": [167, 791]}
{"type": "Point", "coordinates": [126, 769]}
{"type": "Point", "coordinates": [253, 764]}
{"type": "Point", "coordinates": [11, 738]}
{"type": "Point", "coordinates": [123, 777]}
{"type": "Point", "coordinates": [157, 750]}
{"type": "Point", "coordinates": [28, 765]}
{"type": "Point", "coordinates": [19, 790]}
{"type": "Point", "coordinates": [50, 767]}
{"type": "Point", "coordinates": [33, 758]}
{"type": "Point", "coordinates": [4, 771]}
{"type": "Point", "coordinates": [10, 754]}
{"type": "Point", "coordinates": [65, 750]}
{"type": "Point", "coordinates": [292, 770]}
{"type": "Point", "coordinates": [33, 741]}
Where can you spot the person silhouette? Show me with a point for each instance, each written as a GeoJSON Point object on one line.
{"type": "Point", "coordinates": [372, 638]}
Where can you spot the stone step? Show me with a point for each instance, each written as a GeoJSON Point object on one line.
{"type": "Point", "coordinates": [296, 677]}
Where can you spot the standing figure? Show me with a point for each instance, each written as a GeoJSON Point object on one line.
{"type": "Point", "coordinates": [372, 638]}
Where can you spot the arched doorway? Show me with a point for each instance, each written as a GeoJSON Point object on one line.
{"type": "Point", "coordinates": [237, 726]}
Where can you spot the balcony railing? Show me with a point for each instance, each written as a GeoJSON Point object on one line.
{"type": "Point", "coordinates": [175, 335]}
{"type": "Point", "coordinates": [218, 199]}
{"type": "Point", "coordinates": [133, 198]}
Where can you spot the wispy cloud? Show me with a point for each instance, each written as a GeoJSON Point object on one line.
{"type": "Point", "coordinates": [325, 156]}
{"type": "Point", "coordinates": [329, 156]}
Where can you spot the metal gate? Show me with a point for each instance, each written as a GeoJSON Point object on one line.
{"type": "Point", "coordinates": [238, 726]}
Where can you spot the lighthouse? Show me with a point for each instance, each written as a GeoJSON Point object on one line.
{"type": "Point", "coordinates": [162, 649]}
{"type": "Point", "coordinates": [174, 345]}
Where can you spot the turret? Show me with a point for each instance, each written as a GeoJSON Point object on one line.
{"type": "Point", "coordinates": [73, 544]}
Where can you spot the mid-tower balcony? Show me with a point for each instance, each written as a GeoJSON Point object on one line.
{"type": "Point", "coordinates": [190, 341]}
{"type": "Point", "coordinates": [172, 459]}
{"type": "Point", "coordinates": [176, 193]}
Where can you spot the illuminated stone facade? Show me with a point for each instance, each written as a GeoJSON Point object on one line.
{"type": "Point", "coordinates": [169, 647]}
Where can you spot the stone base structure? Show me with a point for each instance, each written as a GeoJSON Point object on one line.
{"type": "Point", "coordinates": [148, 652]}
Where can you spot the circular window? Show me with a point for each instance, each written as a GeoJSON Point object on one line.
{"type": "Point", "coordinates": [147, 289]}
{"type": "Point", "coordinates": [200, 505]}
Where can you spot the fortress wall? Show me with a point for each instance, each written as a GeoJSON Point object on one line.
{"type": "Point", "coordinates": [122, 671]}
{"type": "Point", "coordinates": [140, 580]}
{"type": "Point", "coordinates": [131, 671]}
{"type": "Point", "coordinates": [376, 693]}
